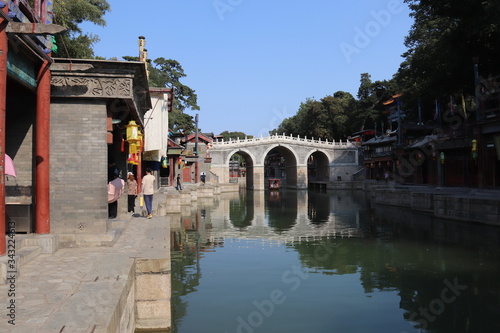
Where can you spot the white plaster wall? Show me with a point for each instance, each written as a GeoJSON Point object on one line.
{"type": "Point", "coordinates": [156, 126]}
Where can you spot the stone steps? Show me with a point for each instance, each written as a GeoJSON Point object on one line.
{"type": "Point", "coordinates": [21, 257]}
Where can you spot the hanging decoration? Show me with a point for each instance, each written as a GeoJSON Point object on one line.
{"type": "Point", "coordinates": [474, 149]}
{"type": "Point", "coordinates": [441, 157]}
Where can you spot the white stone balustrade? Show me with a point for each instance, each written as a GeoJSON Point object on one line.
{"type": "Point", "coordinates": [274, 138]}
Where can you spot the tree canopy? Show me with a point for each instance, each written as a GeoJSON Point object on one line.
{"type": "Point", "coordinates": [74, 43]}
{"type": "Point", "coordinates": [226, 135]}
{"type": "Point", "coordinates": [445, 41]}
{"type": "Point", "coordinates": [337, 116]}
{"type": "Point", "coordinates": [445, 38]}
{"type": "Point", "coordinates": [168, 73]}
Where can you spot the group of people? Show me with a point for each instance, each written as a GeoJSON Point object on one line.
{"type": "Point", "coordinates": [116, 187]}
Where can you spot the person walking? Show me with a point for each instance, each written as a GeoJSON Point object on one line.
{"type": "Point", "coordinates": [116, 186]}
{"type": "Point", "coordinates": [132, 192]}
{"type": "Point", "coordinates": [148, 190]}
{"type": "Point", "coordinates": [179, 186]}
{"type": "Point", "coordinates": [203, 178]}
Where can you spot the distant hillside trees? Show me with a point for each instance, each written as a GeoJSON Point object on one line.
{"type": "Point", "coordinates": [226, 135]}
{"type": "Point", "coordinates": [337, 116]}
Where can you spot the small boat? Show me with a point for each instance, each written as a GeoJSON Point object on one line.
{"type": "Point", "coordinates": [274, 183]}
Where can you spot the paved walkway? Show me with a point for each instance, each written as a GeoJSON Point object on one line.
{"type": "Point", "coordinates": [77, 289]}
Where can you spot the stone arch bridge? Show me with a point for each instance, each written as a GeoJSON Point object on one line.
{"type": "Point", "coordinates": [302, 160]}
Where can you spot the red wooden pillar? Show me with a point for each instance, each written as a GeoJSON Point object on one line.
{"type": "Point", "coordinates": [3, 110]}
{"type": "Point", "coordinates": [42, 150]}
{"type": "Point", "coordinates": [171, 169]}
{"type": "Point", "coordinates": [139, 173]}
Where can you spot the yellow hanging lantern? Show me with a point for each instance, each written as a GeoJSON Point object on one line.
{"type": "Point", "coordinates": [132, 148]}
{"type": "Point", "coordinates": [132, 132]}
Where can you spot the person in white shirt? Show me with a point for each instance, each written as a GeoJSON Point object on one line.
{"type": "Point", "coordinates": [148, 190]}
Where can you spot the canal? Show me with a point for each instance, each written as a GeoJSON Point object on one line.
{"type": "Point", "coordinates": [299, 261]}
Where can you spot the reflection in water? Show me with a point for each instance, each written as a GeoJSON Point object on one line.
{"type": "Point", "coordinates": [282, 213]}
{"type": "Point", "coordinates": [241, 211]}
{"type": "Point", "coordinates": [318, 209]}
{"type": "Point", "coordinates": [398, 272]}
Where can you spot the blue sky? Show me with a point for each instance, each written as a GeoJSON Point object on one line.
{"type": "Point", "coordinates": [252, 63]}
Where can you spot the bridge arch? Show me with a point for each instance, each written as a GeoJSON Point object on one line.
{"type": "Point", "coordinates": [287, 147]}
{"type": "Point", "coordinates": [318, 166]}
{"type": "Point", "coordinates": [316, 150]}
{"type": "Point", "coordinates": [287, 172]}
{"type": "Point", "coordinates": [249, 162]}
{"type": "Point", "coordinates": [242, 151]}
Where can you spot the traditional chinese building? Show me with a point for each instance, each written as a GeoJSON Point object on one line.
{"type": "Point", "coordinates": [25, 63]}
{"type": "Point", "coordinates": [92, 103]}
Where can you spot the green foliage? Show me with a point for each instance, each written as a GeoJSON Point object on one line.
{"type": "Point", "coordinates": [371, 95]}
{"type": "Point", "coordinates": [168, 73]}
{"type": "Point", "coordinates": [179, 121]}
{"type": "Point", "coordinates": [239, 158]}
{"type": "Point", "coordinates": [337, 116]}
{"type": "Point", "coordinates": [444, 39]}
{"type": "Point", "coordinates": [327, 118]}
{"type": "Point", "coordinates": [234, 135]}
{"type": "Point", "coordinates": [73, 43]}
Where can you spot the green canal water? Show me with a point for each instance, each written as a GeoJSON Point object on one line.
{"type": "Point", "coordinates": [298, 261]}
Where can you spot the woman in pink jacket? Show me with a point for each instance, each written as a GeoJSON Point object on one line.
{"type": "Point", "coordinates": [115, 191]}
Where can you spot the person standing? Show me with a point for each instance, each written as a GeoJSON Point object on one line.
{"type": "Point", "coordinates": [148, 190]}
{"type": "Point", "coordinates": [132, 192]}
{"type": "Point", "coordinates": [203, 178]}
{"type": "Point", "coordinates": [179, 186]}
{"type": "Point", "coordinates": [116, 187]}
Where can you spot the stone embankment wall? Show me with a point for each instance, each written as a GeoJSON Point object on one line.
{"type": "Point", "coordinates": [463, 204]}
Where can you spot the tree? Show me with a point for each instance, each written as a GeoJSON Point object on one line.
{"type": "Point", "coordinates": [328, 118]}
{"type": "Point", "coordinates": [371, 96]}
{"type": "Point", "coordinates": [226, 135]}
{"type": "Point", "coordinates": [168, 73]}
{"type": "Point", "coordinates": [73, 43]}
{"type": "Point", "coordinates": [444, 39]}
{"type": "Point", "coordinates": [294, 125]}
